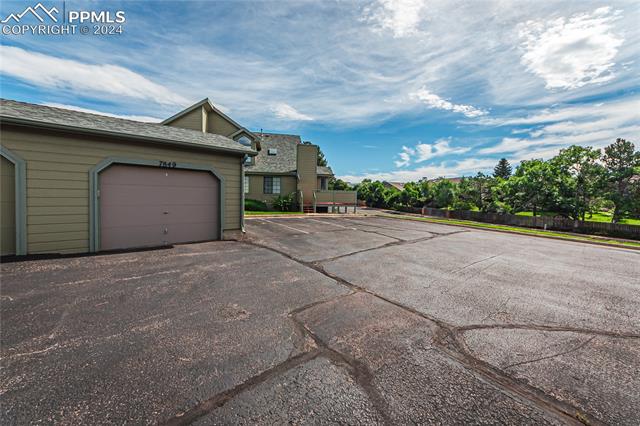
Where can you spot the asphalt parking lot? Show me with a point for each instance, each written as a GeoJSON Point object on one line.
{"type": "Point", "coordinates": [353, 320]}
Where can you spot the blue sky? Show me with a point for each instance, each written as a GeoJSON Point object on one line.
{"type": "Point", "coordinates": [395, 90]}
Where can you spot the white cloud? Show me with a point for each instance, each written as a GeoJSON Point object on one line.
{"type": "Point", "coordinates": [595, 125]}
{"type": "Point", "coordinates": [573, 52]}
{"type": "Point", "coordinates": [405, 157]}
{"type": "Point", "coordinates": [466, 167]}
{"type": "Point", "coordinates": [425, 151]}
{"type": "Point", "coordinates": [143, 118]}
{"type": "Point", "coordinates": [90, 80]}
{"type": "Point", "coordinates": [287, 112]}
{"type": "Point", "coordinates": [432, 100]}
{"type": "Point", "coordinates": [401, 17]}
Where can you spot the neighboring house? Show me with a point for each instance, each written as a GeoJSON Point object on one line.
{"type": "Point", "coordinates": [284, 166]}
{"type": "Point", "coordinates": [452, 180]}
{"type": "Point", "coordinates": [76, 182]}
{"type": "Point", "coordinates": [397, 185]}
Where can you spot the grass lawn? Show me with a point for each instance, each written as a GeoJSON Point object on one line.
{"type": "Point", "coordinates": [255, 213]}
{"type": "Point", "coordinates": [596, 217]}
{"type": "Point", "coordinates": [526, 231]}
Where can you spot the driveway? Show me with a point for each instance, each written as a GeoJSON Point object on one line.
{"type": "Point", "coordinates": [358, 320]}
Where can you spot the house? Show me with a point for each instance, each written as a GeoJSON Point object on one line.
{"type": "Point", "coordinates": [394, 185]}
{"type": "Point", "coordinates": [452, 180]}
{"type": "Point", "coordinates": [75, 182]}
{"type": "Point", "coordinates": [285, 166]}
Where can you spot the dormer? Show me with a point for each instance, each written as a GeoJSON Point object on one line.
{"type": "Point", "coordinates": [205, 117]}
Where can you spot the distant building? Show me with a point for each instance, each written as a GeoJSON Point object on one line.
{"type": "Point", "coordinates": [397, 185]}
{"type": "Point", "coordinates": [452, 180]}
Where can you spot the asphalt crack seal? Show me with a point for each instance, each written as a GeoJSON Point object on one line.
{"type": "Point", "coordinates": [450, 343]}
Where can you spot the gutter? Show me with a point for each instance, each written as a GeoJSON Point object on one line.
{"type": "Point", "coordinates": [52, 126]}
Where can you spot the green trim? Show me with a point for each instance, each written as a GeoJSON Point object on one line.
{"type": "Point", "coordinates": [20, 171]}
{"type": "Point", "coordinates": [94, 207]}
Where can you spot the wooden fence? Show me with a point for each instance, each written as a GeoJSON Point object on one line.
{"type": "Point", "coordinates": [542, 222]}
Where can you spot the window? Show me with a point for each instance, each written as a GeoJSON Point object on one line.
{"type": "Point", "coordinates": [246, 184]}
{"type": "Point", "coordinates": [272, 151]}
{"type": "Point", "coordinates": [248, 160]}
{"type": "Point", "coordinates": [244, 141]}
{"type": "Point", "coordinates": [271, 185]}
{"type": "Point", "coordinates": [323, 183]}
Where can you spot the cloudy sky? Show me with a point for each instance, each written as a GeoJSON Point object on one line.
{"type": "Point", "coordinates": [394, 90]}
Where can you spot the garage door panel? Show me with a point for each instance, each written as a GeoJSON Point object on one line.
{"type": "Point", "coordinates": [157, 195]}
{"type": "Point", "coordinates": [146, 206]}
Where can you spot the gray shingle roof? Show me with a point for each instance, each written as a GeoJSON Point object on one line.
{"type": "Point", "coordinates": [285, 159]}
{"type": "Point", "coordinates": [324, 171]}
{"type": "Point", "coordinates": [44, 116]}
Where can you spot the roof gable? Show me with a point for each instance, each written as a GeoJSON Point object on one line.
{"type": "Point", "coordinates": [32, 115]}
{"type": "Point", "coordinates": [211, 109]}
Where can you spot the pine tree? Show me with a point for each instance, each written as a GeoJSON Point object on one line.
{"type": "Point", "coordinates": [502, 169]}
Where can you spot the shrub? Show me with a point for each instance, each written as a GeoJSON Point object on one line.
{"type": "Point", "coordinates": [255, 206]}
{"type": "Point", "coordinates": [285, 203]}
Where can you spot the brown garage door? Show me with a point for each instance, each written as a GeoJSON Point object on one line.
{"type": "Point", "coordinates": [7, 207]}
{"type": "Point", "coordinates": [148, 206]}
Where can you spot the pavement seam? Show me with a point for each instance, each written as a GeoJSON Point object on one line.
{"type": "Point", "coordinates": [540, 327]}
{"type": "Point", "coordinates": [526, 394]}
{"type": "Point", "coordinates": [568, 351]}
{"type": "Point", "coordinates": [220, 399]}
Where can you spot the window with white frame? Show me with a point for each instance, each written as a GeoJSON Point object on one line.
{"type": "Point", "coordinates": [246, 184]}
{"type": "Point", "coordinates": [271, 185]}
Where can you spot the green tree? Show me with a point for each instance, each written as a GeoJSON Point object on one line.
{"type": "Point", "coordinates": [410, 195]}
{"type": "Point", "coordinates": [443, 193]}
{"type": "Point", "coordinates": [621, 160]}
{"type": "Point", "coordinates": [580, 179]}
{"type": "Point", "coordinates": [502, 169]}
{"type": "Point", "coordinates": [339, 185]}
{"type": "Point", "coordinates": [532, 187]}
{"type": "Point", "coordinates": [466, 195]}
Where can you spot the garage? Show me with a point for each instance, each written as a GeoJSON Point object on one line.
{"type": "Point", "coordinates": [88, 183]}
{"type": "Point", "coordinates": [144, 206]}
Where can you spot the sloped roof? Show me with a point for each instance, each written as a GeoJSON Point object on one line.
{"type": "Point", "coordinates": [284, 161]}
{"type": "Point", "coordinates": [27, 114]}
{"type": "Point", "coordinates": [397, 185]}
{"type": "Point", "coordinates": [210, 107]}
{"type": "Point", "coordinates": [324, 171]}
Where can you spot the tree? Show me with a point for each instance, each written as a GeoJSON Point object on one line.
{"type": "Point", "coordinates": [443, 193]}
{"type": "Point", "coordinates": [580, 179]}
{"type": "Point", "coordinates": [410, 195]}
{"type": "Point", "coordinates": [502, 169]}
{"type": "Point", "coordinates": [531, 187]}
{"type": "Point", "coordinates": [339, 185]}
{"type": "Point", "coordinates": [466, 195]}
{"type": "Point", "coordinates": [620, 160]}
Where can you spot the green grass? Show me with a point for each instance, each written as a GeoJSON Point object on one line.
{"type": "Point", "coordinates": [264, 213]}
{"type": "Point", "coordinates": [596, 217]}
{"type": "Point", "coordinates": [524, 231]}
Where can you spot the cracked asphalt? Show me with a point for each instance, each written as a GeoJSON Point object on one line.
{"type": "Point", "coordinates": [324, 320]}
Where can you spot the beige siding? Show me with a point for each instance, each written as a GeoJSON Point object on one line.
{"type": "Point", "coordinates": [288, 185]}
{"type": "Point", "coordinates": [307, 162]}
{"type": "Point", "coordinates": [192, 120]}
{"type": "Point", "coordinates": [58, 182]}
{"type": "Point", "coordinates": [220, 125]}
{"type": "Point", "coordinates": [7, 207]}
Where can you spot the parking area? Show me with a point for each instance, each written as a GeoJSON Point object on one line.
{"type": "Point", "coordinates": [353, 320]}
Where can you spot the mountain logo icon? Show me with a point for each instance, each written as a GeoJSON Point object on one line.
{"type": "Point", "coordinates": [43, 13]}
